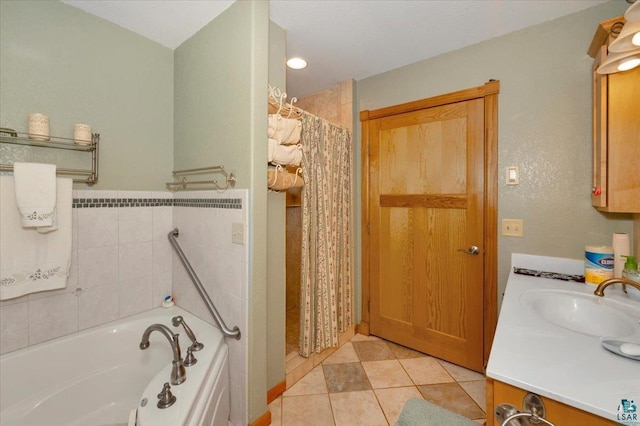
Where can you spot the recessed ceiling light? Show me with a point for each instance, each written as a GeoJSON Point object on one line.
{"type": "Point", "coordinates": [297, 63]}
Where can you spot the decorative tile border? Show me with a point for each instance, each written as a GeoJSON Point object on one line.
{"type": "Point", "coordinates": [216, 203]}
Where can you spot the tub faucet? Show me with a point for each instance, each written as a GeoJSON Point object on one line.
{"type": "Point", "coordinates": [195, 346]}
{"type": "Point", "coordinates": [178, 374]}
{"type": "Point", "coordinates": [599, 291]}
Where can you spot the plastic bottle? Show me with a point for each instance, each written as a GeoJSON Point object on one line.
{"type": "Point", "coordinates": [630, 272]}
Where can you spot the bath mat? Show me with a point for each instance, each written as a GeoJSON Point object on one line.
{"type": "Point", "coordinates": [418, 412]}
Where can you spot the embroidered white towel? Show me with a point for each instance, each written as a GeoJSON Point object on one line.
{"type": "Point", "coordinates": [285, 130]}
{"type": "Point", "coordinates": [31, 261]}
{"type": "Point", "coordinates": [35, 189]}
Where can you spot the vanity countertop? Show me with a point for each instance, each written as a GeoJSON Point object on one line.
{"type": "Point", "coordinates": [538, 356]}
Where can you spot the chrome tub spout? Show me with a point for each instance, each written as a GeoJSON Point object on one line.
{"type": "Point", "coordinates": [178, 374]}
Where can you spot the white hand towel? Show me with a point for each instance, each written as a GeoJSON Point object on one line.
{"type": "Point", "coordinates": [285, 130]}
{"type": "Point", "coordinates": [35, 192]}
{"type": "Point", "coordinates": [31, 261]}
{"type": "Point", "coordinates": [54, 224]}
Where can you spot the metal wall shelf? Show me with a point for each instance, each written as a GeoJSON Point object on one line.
{"type": "Point", "coordinates": [64, 144]}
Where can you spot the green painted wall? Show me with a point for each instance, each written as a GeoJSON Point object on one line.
{"type": "Point", "coordinates": [276, 236]}
{"type": "Point", "coordinates": [212, 93]}
{"type": "Point", "coordinates": [77, 68]}
{"type": "Point", "coordinates": [220, 92]}
{"type": "Point", "coordinates": [544, 127]}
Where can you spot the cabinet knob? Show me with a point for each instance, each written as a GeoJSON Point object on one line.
{"type": "Point", "coordinates": [596, 191]}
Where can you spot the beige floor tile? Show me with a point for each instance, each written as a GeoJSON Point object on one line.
{"type": "Point", "coordinates": [361, 337]}
{"type": "Point", "coordinates": [452, 397]}
{"type": "Point", "coordinates": [307, 410]}
{"type": "Point", "coordinates": [319, 358]}
{"type": "Point", "coordinates": [425, 371]}
{"type": "Point", "coordinates": [461, 374]}
{"type": "Point", "coordinates": [345, 353]}
{"type": "Point", "coordinates": [392, 400]}
{"type": "Point", "coordinates": [386, 374]}
{"type": "Point", "coordinates": [373, 350]}
{"type": "Point", "coordinates": [477, 391]}
{"type": "Point", "coordinates": [276, 411]}
{"type": "Point", "coordinates": [357, 408]}
{"type": "Point", "coordinates": [312, 383]}
{"type": "Point", "coordinates": [349, 377]}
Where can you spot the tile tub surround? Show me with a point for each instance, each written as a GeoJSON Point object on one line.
{"type": "Point", "coordinates": [205, 219]}
{"type": "Point", "coordinates": [120, 266]}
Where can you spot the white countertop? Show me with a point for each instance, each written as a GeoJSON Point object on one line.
{"type": "Point", "coordinates": [539, 356]}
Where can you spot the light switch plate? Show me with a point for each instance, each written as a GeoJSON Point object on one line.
{"type": "Point", "coordinates": [513, 175]}
{"type": "Point", "coordinates": [513, 227]}
{"type": "Point", "coordinates": [237, 233]}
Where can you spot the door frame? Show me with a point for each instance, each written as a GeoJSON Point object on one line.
{"type": "Point", "coordinates": [489, 91]}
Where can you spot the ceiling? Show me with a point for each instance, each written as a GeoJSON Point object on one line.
{"type": "Point", "coordinates": [344, 39]}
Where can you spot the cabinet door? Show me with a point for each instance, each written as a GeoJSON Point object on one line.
{"type": "Point", "coordinates": [556, 412]}
{"type": "Point", "coordinates": [599, 88]}
{"type": "Point", "coordinates": [623, 142]}
{"type": "Point", "coordinates": [616, 139]}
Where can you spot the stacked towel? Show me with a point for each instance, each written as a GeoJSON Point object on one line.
{"type": "Point", "coordinates": [31, 261]}
{"type": "Point", "coordinates": [285, 130]}
{"type": "Point", "coordinates": [280, 180]}
{"type": "Point", "coordinates": [287, 155]}
{"type": "Point", "coordinates": [35, 192]}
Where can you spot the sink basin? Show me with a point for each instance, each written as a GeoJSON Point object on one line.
{"type": "Point", "coordinates": [582, 313]}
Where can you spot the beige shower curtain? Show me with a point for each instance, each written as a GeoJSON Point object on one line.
{"type": "Point", "coordinates": [326, 276]}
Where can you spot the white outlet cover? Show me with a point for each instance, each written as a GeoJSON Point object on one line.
{"type": "Point", "coordinates": [237, 233]}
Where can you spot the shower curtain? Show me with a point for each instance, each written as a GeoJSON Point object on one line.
{"type": "Point", "coordinates": [326, 264]}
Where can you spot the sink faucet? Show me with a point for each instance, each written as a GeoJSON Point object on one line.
{"type": "Point", "coordinates": [178, 374]}
{"type": "Point", "coordinates": [599, 291]}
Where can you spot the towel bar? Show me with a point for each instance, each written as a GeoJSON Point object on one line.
{"type": "Point", "coordinates": [183, 182]}
{"type": "Point", "coordinates": [58, 143]}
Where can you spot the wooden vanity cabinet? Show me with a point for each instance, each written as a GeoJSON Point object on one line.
{"type": "Point", "coordinates": [556, 412]}
{"type": "Point", "coordinates": [616, 132]}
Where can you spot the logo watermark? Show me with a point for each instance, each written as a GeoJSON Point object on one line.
{"type": "Point", "coordinates": [628, 412]}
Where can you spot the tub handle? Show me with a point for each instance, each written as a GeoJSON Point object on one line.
{"type": "Point", "coordinates": [166, 398]}
{"type": "Point", "coordinates": [195, 345]}
{"type": "Point", "coordinates": [190, 359]}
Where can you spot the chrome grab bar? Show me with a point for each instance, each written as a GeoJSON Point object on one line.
{"type": "Point", "coordinates": [235, 332]}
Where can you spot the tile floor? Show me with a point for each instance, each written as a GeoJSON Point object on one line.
{"type": "Point", "coordinates": [368, 380]}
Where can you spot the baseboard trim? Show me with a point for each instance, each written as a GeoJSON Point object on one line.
{"type": "Point", "coordinates": [363, 328]}
{"type": "Point", "coordinates": [276, 391]}
{"type": "Point", "coordinates": [263, 420]}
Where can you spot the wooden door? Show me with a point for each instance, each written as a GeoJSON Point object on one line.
{"type": "Point", "coordinates": [426, 209]}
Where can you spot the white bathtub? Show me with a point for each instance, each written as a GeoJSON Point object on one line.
{"type": "Point", "coordinates": [98, 376]}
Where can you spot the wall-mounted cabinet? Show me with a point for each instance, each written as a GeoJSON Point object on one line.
{"type": "Point", "coordinates": [616, 132]}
